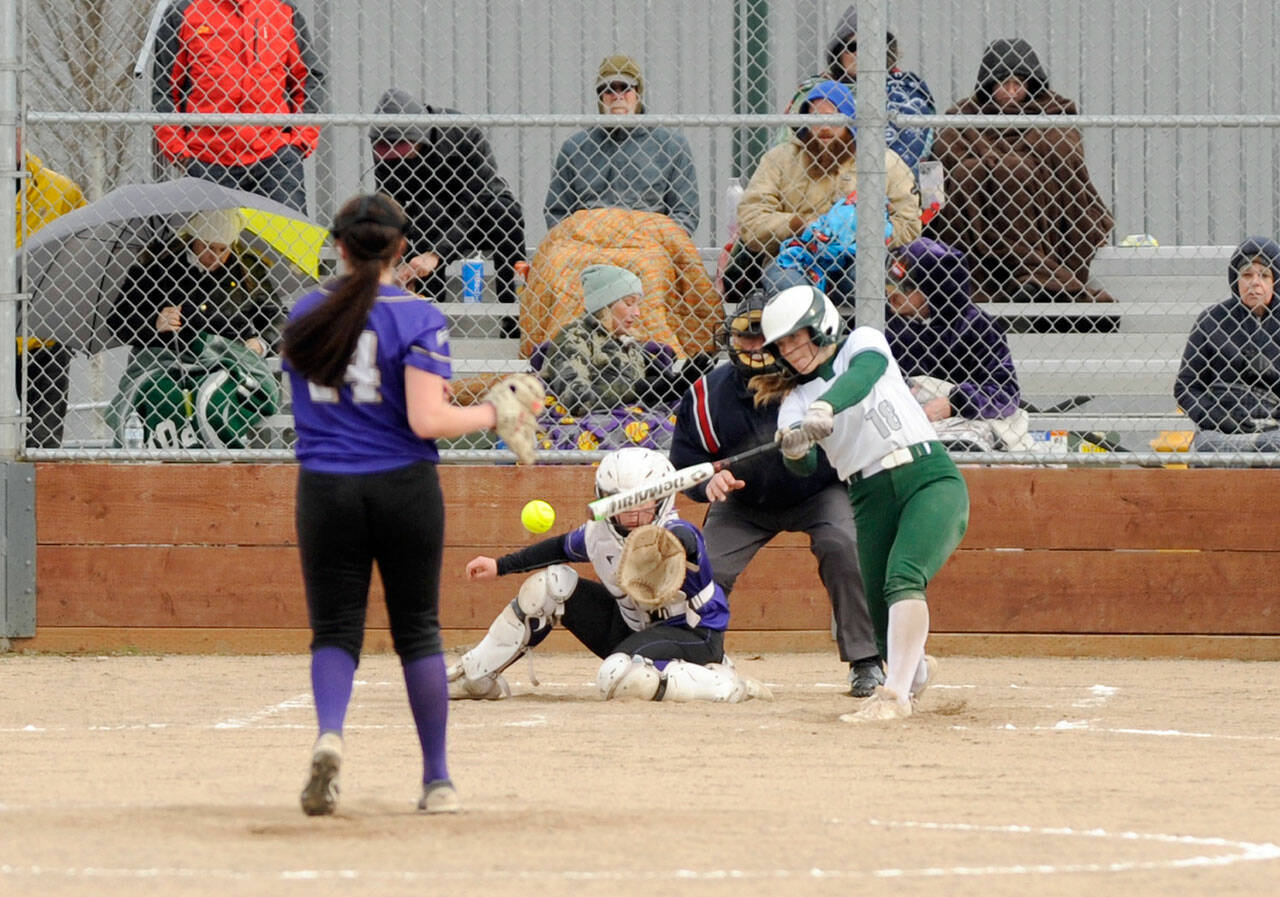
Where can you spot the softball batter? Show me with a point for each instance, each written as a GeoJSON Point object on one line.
{"type": "Point", "coordinates": [910, 504]}
{"type": "Point", "coordinates": [368, 363]}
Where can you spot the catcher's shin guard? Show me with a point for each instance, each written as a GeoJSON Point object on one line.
{"type": "Point", "coordinates": [621, 676]}
{"type": "Point", "coordinates": [538, 604]}
{"type": "Point", "coordinates": [694, 682]}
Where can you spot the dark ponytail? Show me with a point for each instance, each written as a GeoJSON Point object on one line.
{"type": "Point", "coordinates": [320, 343]}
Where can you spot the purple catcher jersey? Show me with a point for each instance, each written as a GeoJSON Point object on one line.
{"type": "Point", "coordinates": [363, 427]}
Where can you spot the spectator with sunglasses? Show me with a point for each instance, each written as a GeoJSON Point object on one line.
{"type": "Point", "coordinates": [637, 168]}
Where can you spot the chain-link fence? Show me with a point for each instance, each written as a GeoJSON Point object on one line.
{"type": "Point", "coordinates": [1065, 210]}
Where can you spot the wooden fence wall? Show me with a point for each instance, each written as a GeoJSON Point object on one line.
{"type": "Point", "coordinates": [201, 558]}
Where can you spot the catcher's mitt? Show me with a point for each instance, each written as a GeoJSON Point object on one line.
{"type": "Point", "coordinates": [652, 567]}
{"type": "Point", "coordinates": [518, 399]}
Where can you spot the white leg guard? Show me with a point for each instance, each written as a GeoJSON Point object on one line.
{"type": "Point", "coordinates": [540, 600]}
{"type": "Point", "coordinates": [621, 676]}
{"type": "Point", "coordinates": [694, 682]}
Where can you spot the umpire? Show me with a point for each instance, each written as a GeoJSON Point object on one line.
{"type": "Point", "coordinates": [759, 499]}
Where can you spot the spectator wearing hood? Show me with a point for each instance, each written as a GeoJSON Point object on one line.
{"type": "Point", "coordinates": [907, 92]}
{"type": "Point", "coordinates": [1229, 379]}
{"type": "Point", "coordinates": [447, 181]}
{"type": "Point", "coordinates": [46, 196]}
{"type": "Point", "coordinates": [798, 182]}
{"type": "Point", "coordinates": [642, 169]}
{"type": "Point", "coordinates": [1020, 201]}
{"type": "Point", "coordinates": [935, 330]}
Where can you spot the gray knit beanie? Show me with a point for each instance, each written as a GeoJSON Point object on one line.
{"type": "Point", "coordinates": [603, 285]}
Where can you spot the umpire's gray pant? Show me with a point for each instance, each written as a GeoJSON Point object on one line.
{"type": "Point", "coordinates": [734, 533]}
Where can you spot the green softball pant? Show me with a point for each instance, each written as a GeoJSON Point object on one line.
{"type": "Point", "coordinates": [909, 520]}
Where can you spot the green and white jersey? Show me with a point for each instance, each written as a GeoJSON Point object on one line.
{"type": "Point", "coordinates": [886, 418]}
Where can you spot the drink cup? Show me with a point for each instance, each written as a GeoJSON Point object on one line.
{"type": "Point", "coordinates": [473, 280]}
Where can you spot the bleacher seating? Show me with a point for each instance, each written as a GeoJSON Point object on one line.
{"type": "Point", "coordinates": [1124, 356]}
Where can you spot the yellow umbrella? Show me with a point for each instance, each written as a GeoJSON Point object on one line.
{"type": "Point", "coordinates": [298, 241]}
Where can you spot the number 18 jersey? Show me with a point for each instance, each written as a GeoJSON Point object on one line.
{"type": "Point", "coordinates": [363, 426]}
{"type": "Point", "coordinates": [887, 418]}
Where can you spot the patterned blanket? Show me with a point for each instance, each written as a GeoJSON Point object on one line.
{"type": "Point", "coordinates": [681, 308]}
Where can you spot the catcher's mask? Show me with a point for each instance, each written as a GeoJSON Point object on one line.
{"type": "Point", "coordinates": [630, 467]}
{"type": "Point", "coordinates": [743, 340]}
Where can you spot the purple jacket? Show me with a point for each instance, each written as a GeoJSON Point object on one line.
{"type": "Point", "coordinates": [958, 342]}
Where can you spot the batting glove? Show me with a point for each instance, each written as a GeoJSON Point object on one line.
{"type": "Point", "coordinates": [818, 421]}
{"type": "Point", "coordinates": [795, 444]}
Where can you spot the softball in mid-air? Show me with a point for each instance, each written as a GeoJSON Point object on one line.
{"type": "Point", "coordinates": [537, 516]}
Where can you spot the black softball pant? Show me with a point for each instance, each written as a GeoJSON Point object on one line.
{"type": "Point", "coordinates": [591, 613]}
{"type": "Point", "coordinates": [348, 522]}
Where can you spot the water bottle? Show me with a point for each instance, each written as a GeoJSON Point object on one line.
{"type": "Point", "coordinates": [732, 196]}
{"type": "Point", "coordinates": [135, 434]}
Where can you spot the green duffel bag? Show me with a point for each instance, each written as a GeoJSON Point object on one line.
{"type": "Point", "coordinates": [214, 400]}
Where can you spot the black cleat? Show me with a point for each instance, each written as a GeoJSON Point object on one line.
{"type": "Point", "coordinates": [864, 676]}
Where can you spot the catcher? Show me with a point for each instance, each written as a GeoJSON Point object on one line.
{"type": "Point", "coordinates": [656, 617]}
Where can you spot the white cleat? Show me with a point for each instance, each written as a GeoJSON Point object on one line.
{"type": "Point", "coordinates": [756, 690]}
{"type": "Point", "coordinates": [881, 706]}
{"type": "Point", "coordinates": [487, 688]}
{"type": "Point", "coordinates": [320, 795]}
{"type": "Point", "coordinates": [439, 796]}
{"type": "Point", "coordinates": [919, 687]}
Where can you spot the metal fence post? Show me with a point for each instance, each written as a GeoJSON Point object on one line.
{"type": "Point", "coordinates": [17, 503]}
{"type": "Point", "coordinates": [872, 116]}
{"type": "Point", "coordinates": [10, 62]}
{"type": "Point", "coordinates": [751, 85]}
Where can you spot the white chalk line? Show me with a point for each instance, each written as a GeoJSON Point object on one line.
{"type": "Point", "coordinates": [1089, 727]}
{"type": "Point", "coordinates": [1222, 852]}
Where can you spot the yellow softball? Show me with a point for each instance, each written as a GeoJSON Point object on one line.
{"type": "Point", "coordinates": [537, 516]}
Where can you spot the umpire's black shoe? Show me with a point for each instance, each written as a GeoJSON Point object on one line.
{"type": "Point", "coordinates": [864, 676]}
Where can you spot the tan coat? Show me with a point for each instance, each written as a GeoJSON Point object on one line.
{"type": "Point", "coordinates": [787, 184]}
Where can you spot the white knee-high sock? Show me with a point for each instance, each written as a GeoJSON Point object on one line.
{"type": "Point", "coordinates": [908, 629]}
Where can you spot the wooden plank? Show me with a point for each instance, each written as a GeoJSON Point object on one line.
{"type": "Point", "coordinates": [977, 591]}
{"type": "Point", "coordinates": [1217, 592]}
{"type": "Point", "coordinates": [213, 586]}
{"type": "Point", "coordinates": [248, 504]}
{"type": "Point", "coordinates": [158, 504]}
{"type": "Point", "coordinates": [252, 504]}
{"type": "Point", "coordinates": [742, 645]}
{"type": "Point", "coordinates": [1122, 508]}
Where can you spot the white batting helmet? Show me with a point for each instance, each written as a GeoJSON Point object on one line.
{"type": "Point", "coordinates": [629, 467]}
{"type": "Point", "coordinates": [796, 308]}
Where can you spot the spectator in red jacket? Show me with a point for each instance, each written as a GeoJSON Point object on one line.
{"type": "Point", "coordinates": [238, 56]}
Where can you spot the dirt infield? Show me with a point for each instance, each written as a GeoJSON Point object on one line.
{"type": "Point", "coordinates": [147, 775]}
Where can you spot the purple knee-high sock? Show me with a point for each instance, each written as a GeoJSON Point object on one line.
{"type": "Point", "coordinates": [428, 689]}
{"type": "Point", "coordinates": [332, 672]}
